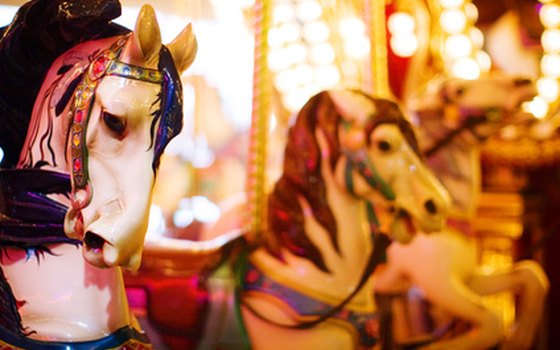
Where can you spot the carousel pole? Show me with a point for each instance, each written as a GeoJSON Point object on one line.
{"type": "Point", "coordinates": [262, 95]}
{"type": "Point", "coordinates": [376, 24]}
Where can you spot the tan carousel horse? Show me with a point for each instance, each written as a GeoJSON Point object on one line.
{"type": "Point", "coordinates": [74, 208]}
{"type": "Point", "coordinates": [351, 172]}
{"type": "Point", "coordinates": [454, 118]}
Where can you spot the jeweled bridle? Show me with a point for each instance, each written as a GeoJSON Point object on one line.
{"type": "Point", "coordinates": [105, 64]}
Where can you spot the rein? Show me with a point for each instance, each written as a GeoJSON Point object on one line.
{"type": "Point", "coordinates": [360, 161]}
{"type": "Point", "coordinates": [381, 242]}
{"type": "Point", "coordinates": [107, 63]}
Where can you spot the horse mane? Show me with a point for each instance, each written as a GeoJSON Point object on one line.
{"type": "Point", "coordinates": [301, 176]}
{"type": "Point", "coordinates": [40, 32]}
{"type": "Point", "coordinates": [170, 113]}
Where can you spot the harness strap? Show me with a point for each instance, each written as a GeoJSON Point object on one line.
{"type": "Point", "coordinates": [105, 64]}
{"type": "Point", "coordinates": [381, 242]}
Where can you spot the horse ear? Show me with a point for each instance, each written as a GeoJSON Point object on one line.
{"type": "Point", "coordinates": [146, 38]}
{"type": "Point", "coordinates": [183, 48]}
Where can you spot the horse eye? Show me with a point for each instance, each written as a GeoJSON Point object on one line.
{"type": "Point", "coordinates": [114, 123]}
{"type": "Point", "coordinates": [384, 146]}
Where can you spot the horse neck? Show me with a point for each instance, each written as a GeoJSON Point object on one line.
{"type": "Point", "coordinates": [456, 164]}
{"type": "Point", "coordinates": [353, 232]}
{"type": "Point", "coordinates": [45, 144]}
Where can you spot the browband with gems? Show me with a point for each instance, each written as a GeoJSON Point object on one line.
{"type": "Point", "coordinates": [105, 64]}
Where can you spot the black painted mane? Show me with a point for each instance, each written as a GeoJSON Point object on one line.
{"type": "Point", "coordinates": [41, 31]}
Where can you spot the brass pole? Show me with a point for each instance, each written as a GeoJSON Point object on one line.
{"type": "Point", "coordinates": [376, 23]}
{"type": "Point", "coordinates": [262, 95]}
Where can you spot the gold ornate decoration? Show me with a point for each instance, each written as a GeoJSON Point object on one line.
{"type": "Point", "coordinates": [375, 18]}
{"type": "Point", "coordinates": [262, 95]}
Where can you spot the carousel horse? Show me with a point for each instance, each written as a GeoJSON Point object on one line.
{"type": "Point", "coordinates": [76, 186]}
{"type": "Point", "coordinates": [351, 172]}
{"type": "Point", "coordinates": [457, 116]}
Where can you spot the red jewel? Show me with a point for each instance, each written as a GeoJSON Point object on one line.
{"type": "Point", "coordinates": [252, 276]}
{"type": "Point", "coordinates": [77, 164]}
{"type": "Point", "coordinates": [100, 66]}
{"type": "Point", "coordinates": [78, 116]}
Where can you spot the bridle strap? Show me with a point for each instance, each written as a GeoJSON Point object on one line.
{"type": "Point", "coordinates": [359, 160]}
{"type": "Point", "coordinates": [106, 63]}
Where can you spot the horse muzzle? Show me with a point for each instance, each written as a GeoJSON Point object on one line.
{"type": "Point", "coordinates": [101, 253]}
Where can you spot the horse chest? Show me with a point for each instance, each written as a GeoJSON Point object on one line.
{"type": "Point", "coordinates": [61, 297]}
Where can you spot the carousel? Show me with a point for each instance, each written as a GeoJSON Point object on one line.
{"type": "Point", "coordinates": [279, 174]}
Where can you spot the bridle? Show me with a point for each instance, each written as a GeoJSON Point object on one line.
{"type": "Point", "coordinates": [359, 160]}
{"type": "Point", "coordinates": [105, 64]}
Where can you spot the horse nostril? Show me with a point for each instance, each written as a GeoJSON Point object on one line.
{"type": "Point", "coordinates": [430, 206]}
{"type": "Point", "coordinates": [93, 241]}
{"type": "Point", "coordinates": [522, 82]}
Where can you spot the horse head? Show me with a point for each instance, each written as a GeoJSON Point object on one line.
{"type": "Point", "coordinates": [484, 105]}
{"type": "Point", "coordinates": [104, 114]}
{"type": "Point", "coordinates": [371, 151]}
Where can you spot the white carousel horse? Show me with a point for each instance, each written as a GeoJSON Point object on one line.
{"type": "Point", "coordinates": [457, 116]}
{"type": "Point", "coordinates": [306, 284]}
{"type": "Point", "coordinates": [75, 208]}
{"type": "Point", "coordinates": [454, 116]}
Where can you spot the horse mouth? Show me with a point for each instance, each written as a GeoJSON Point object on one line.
{"type": "Point", "coordinates": [403, 226]}
{"type": "Point", "coordinates": [406, 218]}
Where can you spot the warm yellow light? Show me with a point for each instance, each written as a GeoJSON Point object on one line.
{"type": "Point", "coordinates": [316, 32]}
{"type": "Point", "coordinates": [404, 45]}
{"type": "Point", "coordinates": [457, 46]}
{"type": "Point", "coordinates": [285, 80]}
{"type": "Point", "coordinates": [278, 59]}
{"type": "Point", "coordinates": [289, 32]}
{"type": "Point", "coordinates": [548, 89]}
{"type": "Point", "coordinates": [401, 22]}
{"type": "Point", "coordinates": [550, 15]}
{"type": "Point", "coordinates": [303, 74]}
{"type": "Point", "coordinates": [465, 68]}
{"type": "Point", "coordinates": [351, 26]}
{"type": "Point", "coordinates": [450, 4]}
{"type": "Point", "coordinates": [357, 47]}
{"type": "Point", "coordinates": [550, 65]}
{"type": "Point", "coordinates": [537, 107]}
{"type": "Point", "coordinates": [550, 40]}
{"type": "Point", "coordinates": [453, 21]}
{"type": "Point", "coordinates": [282, 13]}
{"type": "Point", "coordinates": [477, 38]}
{"type": "Point", "coordinates": [296, 53]}
{"type": "Point", "coordinates": [245, 4]}
{"type": "Point", "coordinates": [296, 98]}
{"type": "Point", "coordinates": [484, 61]}
{"type": "Point", "coordinates": [322, 53]}
{"type": "Point", "coordinates": [327, 75]}
{"type": "Point", "coordinates": [275, 38]}
{"type": "Point", "coordinates": [309, 10]}
{"type": "Point", "coordinates": [471, 11]}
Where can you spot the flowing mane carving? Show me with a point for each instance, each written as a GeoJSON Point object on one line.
{"type": "Point", "coordinates": [302, 174]}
